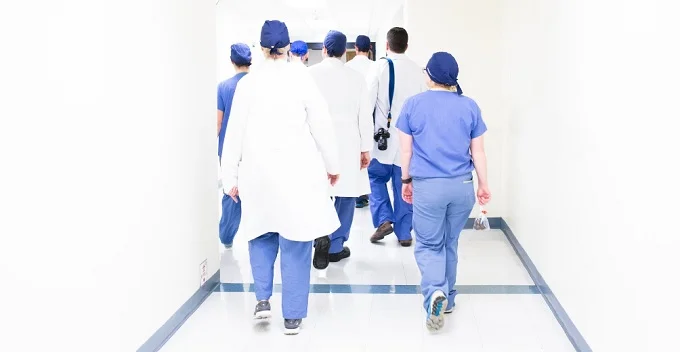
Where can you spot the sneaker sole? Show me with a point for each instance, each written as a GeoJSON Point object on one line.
{"type": "Point", "coordinates": [262, 315]}
{"type": "Point", "coordinates": [435, 321]}
{"type": "Point", "coordinates": [291, 331]}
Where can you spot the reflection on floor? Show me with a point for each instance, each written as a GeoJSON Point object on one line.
{"type": "Point", "coordinates": [371, 302]}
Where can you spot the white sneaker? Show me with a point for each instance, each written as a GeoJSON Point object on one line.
{"type": "Point", "coordinates": [263, 310]}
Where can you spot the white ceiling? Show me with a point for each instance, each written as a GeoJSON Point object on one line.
{"type": "Point", "coordinates": [310, 20]}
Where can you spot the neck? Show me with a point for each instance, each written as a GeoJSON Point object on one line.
{"type": "Point", "coordinates": [359, 53]}
{"type": "Point", "coordinates": [243, 69]}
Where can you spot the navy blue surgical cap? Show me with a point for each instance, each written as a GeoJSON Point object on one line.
{"type": "Point", "coordinates": [335, 43]}
{"type": "Point", "coordinates": [363, 43]}
{"type": "Point", "coordinates": [240, 54]}
{"type": "Point", "coordinates": [274, 36]}
{"type": "Point", "coordinates": [299, 48]}
{"type": "Point", "coordinates": [443, 69]}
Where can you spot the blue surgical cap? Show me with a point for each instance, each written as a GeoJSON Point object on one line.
{"type": "Point", "coordinates": [240, 54]}
{"type": "Point", "coordinates": [274, 35]}
{"type": "Point", "coordinates": [443, 69]}
{"type": "Point", "coordinates": [335, 43]}
{"type": "Point", "coordinates": [363, 43]}
{"type": "Point", "coordinates": [298, 48]}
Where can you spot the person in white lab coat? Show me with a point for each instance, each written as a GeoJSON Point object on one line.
{"type": "Point", "coordinates": [279, 154]}
{"type": "Point", "coordinates": [409, 80]}
{"type": "Point", "coordinates": [299, 53]}
{"type": "Point", "coordinates": [363, 64]}
{"type": "Point", "coordinates": [346, 93]}
{"type": "Point", "coordinates": [361, 61]}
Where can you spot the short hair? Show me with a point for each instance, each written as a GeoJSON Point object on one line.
{"type": "Point", "coordinates": [335, 55]}
{"type": "Point", "coordinates": [241, 65]}
{"type": "Point", "coordinates": [397, 39]}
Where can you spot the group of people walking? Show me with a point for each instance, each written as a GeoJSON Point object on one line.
{"type": "Point", "coordinates": [303, 146]}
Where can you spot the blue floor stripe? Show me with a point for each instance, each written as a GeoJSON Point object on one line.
{"type": "Point", "coordinates": [391, 289]}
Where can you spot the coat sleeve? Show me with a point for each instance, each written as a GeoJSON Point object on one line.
{"type": "Point", "coordinates": [321, 126]}
{"type": "Point", "coordinates": [365, 120]}
{"type": "Point", "coordinates": [234, 136]}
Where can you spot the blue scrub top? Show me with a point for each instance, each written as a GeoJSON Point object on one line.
{"type": "Point", "coordinates": [442, 124]}
{"type": "Point", "coordinates": [225, 95]}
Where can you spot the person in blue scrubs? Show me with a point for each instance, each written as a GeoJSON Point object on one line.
{"type": "Point", "coordinates": [442, 143]}
{"type": "Point", "coordinates": [231, 210]}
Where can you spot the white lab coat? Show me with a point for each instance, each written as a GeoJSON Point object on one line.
{"type": "Point", "coordinates": [278, 148]}
{"type": "Point", "coordinates": [346, 94]}
{"type": "Point", "coordinates": [409, 81]}
{"type": "Point", "coordinates": [365, 66]}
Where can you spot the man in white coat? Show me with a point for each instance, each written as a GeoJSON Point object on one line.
{"type": "Point", "coordinates": [361, 61]}
{"type": "Point", "coordinates": [409, 80]}
{"type": "Point", "coordinates": [363, 64]}
{"type": "Point", "coordinates": [279, 154]}
{"type": "Point", "coordinates": [346, 94]}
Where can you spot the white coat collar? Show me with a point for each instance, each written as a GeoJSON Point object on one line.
{"type": "Point", "coordinates": [392, 55]}
{"type": "Point", "coordinates": [333, 61]}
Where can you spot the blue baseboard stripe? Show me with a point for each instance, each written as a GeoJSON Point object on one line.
{"type": "Point", "coordinates": [165, 332]}
{"type": "Point", "coordinates": [389, 289]}
{"type": "Point", "coordinates": [560, 314]}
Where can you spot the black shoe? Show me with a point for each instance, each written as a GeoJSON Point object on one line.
{"type": "Point", "coordinates": [336, 257]}
{"type": "Point", "coordinates": [321, 247]}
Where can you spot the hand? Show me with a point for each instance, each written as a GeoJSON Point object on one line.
{"type": "Point", "coordinates": [234, 194]}
{"type": "Point", "coordinates": [365, 159]}
{"type": "Point", "coordinates": [407, 192]}
{"type": "Point", "coordinates": [483, 194]}
{"type": "Point", "coordinates": [333, 179]}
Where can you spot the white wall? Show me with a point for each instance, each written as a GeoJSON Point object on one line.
{"type": "Point", "coordinates": [470, 31]}
{"type": "Point", "coordinates": [590, 92]}
{"type": "Point", "coordinates": [107, 142]}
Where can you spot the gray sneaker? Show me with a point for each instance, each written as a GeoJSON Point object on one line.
{"type": "Point", "coordinates": [263, 310]}
{"type": "Point", "coordinates": [292, 326]}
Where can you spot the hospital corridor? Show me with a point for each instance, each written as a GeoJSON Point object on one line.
{"type": "Point", "coordinates": [384, 175]}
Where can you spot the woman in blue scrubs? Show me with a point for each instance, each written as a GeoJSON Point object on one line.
{"type": "Point", "coordinates": [442, 143]}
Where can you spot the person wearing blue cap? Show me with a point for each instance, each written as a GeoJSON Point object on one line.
{"type": "Point", "coordinates": [346, 94]}
{"type": "Point", "coordinates": [231, 210]}
{"type": "Point", "coordinates": [280, 154]}
{"type": "Point", "coordinates": [442, 143]}
{"type": "Point", "coordinates": [397, 79]}
{"type": "Point", "coordinates": [363, 64]}
{"type": "Point", "coordinates": [299, 52]}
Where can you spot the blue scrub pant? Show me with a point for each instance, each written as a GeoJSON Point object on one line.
{"type": "Point", "coordinates": [231, 219]}
{"type": "Point", "coordinates": [441, 207]}
{"type": "Point", "coordinates": [381, 206]}
{"type": "Point", "coordinates": [345, 208]}
{"type": "Point", "coordinates": [296, 266]}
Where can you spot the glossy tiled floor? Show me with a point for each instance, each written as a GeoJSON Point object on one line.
{"type": "Point", "coordinates": [372, 320]}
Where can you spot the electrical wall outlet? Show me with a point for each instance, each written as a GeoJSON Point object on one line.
{"type": "Point", "coordinates": [203, 270]}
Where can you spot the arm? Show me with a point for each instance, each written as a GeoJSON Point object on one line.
{"type": "Point", "coordinates": [365, 121]}
{"type": "Point", "coordinates": [321, 126]}
{"type": "Point", "coordinates": [220, 116]}
{"type": "Point", "coordinates": [479, 156]}
{"type": "Point", "coordinates": [406, 144]}
{"type": "Point", "coordinates": [234, 136]}
{"type": "Point", "coordinates": [220, 109]}
{"type": "Point", "coordinates": [479, 159]}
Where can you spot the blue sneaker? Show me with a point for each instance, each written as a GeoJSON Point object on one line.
{"type": "Point", "coordinates": [435, 315]}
